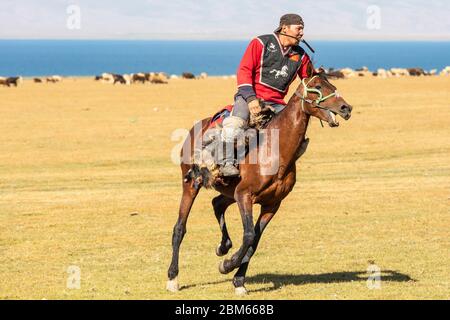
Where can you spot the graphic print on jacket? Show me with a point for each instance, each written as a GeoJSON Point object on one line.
{"type": "Point", "coordinates": [278, 70]}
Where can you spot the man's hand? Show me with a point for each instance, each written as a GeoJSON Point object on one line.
{"type": "Point", "coordinates": [254, 107]}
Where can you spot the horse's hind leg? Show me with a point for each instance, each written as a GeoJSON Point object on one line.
{"type": "Point", "coordinates": [220, 205]}
{"type": "Point", "coordinates": [179, 230]}
{"type": "Point", "coordinates": [267, 213]}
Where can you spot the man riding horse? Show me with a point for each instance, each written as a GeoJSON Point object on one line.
{"type": "Point", "coordinates": [315, 97]}
{"type": "Point", "coordinates": [270, 64]}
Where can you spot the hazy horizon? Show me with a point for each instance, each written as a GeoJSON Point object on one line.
{"type": "Point", "coordinates": [327, 20]}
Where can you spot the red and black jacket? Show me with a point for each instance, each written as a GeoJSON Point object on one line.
{"type": "Point", "coordinates": [266, 70]}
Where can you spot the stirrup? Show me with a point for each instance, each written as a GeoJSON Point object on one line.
{"type": "Point", "coordinates": [229, 170]}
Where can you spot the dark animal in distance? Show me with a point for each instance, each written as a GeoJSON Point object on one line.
{"type": "Point", "coordinates": [187, 75]}
{"type": "Point", "coordinates": [10, 81]}
{"type": "Point", "coordinates": [417, 72]}
{"type": "Point", "coordinates": [119, 78]}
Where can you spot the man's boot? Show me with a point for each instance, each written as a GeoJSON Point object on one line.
{"type": "Point", "coordinates": [232, 127]}
{"type": "Point", "coordinates": [229, 170]}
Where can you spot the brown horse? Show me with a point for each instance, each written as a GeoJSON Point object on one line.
{"type": "Point", "coordinates": [315, 96]}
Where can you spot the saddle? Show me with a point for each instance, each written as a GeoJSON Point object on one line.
{"type": "Point", "coordinates": [206, 172]}
{"type": "Point", "coordinates": [206, 168]}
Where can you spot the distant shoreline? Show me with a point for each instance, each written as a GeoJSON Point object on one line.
{"type": "Point", "coordinates": [334, 73]}
{"type": "Point", "coordinates": [217, 58]}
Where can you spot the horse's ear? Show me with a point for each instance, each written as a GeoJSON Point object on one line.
{"type": "Point", "coordinates": [310, 71]}
{"type": "Point", "coordinates": [321, 71]}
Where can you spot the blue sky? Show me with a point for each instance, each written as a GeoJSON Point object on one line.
{"type": "Point", "coordinates": [232, 19]}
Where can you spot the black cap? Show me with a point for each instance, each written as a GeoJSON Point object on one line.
{"type": "Point", "coordinates": [289, 19]}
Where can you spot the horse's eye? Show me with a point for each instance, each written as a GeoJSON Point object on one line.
{"type": "Point", "coordinates": [318, 87]}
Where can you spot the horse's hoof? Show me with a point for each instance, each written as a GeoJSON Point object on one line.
{"type": "Point", "coordinates": [221, 253]}
{"type": "Point", "coordinates": [228, 246]}
{"type": "Point", "coordinates": [172, 285]}
{"type": "Point", "coordinates": [240, 291]}
{"type": "Point", "coordinates": [222, 269]}
{"type": "Point", "coordinates": [218, 252]}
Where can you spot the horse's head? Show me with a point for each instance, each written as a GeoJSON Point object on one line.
{"type": "Point", "coordinates": [320, 99]}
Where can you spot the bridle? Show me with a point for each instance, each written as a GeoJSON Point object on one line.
{"type": "Point", "coordinates": [315, 103]}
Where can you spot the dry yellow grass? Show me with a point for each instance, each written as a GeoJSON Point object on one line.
{"type": "Point", "coordinates": [79, 157]}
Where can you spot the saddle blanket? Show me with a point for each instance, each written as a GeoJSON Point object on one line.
{"type": "Point", "coordinates": [217, 119]}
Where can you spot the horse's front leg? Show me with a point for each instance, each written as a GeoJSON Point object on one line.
{"type": "Point", "coordinates": [267, 213]}
{"type": "Point", "coordinates": [179, 230]}
{"type": "Point", "coordinates": [245, 204]}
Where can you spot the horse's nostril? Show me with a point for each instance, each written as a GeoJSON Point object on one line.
{"type": "Point", "coordinates": [346, 109]}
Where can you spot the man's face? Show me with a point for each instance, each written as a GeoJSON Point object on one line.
{"type": "Point", "coordinates": [294, 31]}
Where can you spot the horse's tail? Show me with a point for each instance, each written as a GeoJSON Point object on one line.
{"type": "Point", "coordinates": [200, 176]}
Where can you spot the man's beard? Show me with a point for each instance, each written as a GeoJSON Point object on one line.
{"type": "Point", "coordinates": [297, 41]}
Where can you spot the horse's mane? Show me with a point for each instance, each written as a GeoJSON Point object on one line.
{"type": "Point", "coordinates": [273, 124]}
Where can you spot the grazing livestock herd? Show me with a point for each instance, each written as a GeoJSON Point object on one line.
{"type": "Point", "coordinates": [150, 77]}
{"type": "Point", "coordinates": [383, 73]}
{"type": "Point", "coordinates": [112, 78]}
{"type": "Point", "coordinates": [162, 77]}
{"type": "Point", "coordinates": [52, 79]}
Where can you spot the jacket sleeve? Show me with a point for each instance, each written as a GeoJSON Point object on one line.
{"type": "Point", "coordinates": [247, 70]}
{"type": "Point", "coordinates": [305, 66]}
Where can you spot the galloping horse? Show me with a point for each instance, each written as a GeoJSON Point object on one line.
{"type": "Point", "coordinates": [315, 96]}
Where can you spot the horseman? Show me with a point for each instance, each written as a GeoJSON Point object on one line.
{"type": "Point", "coordinates": [270, 64]}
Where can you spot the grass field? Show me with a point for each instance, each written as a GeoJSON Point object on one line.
{"type": "Point", "coordinates": [86, 180]}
